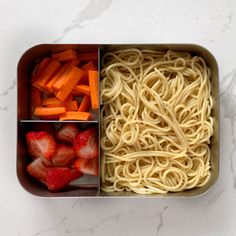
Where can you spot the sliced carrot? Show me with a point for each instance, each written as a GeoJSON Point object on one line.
{"type": "Point", "coordinates": [89, 56]}
{"type": "Point", "coordinates": [71, 106]}
{"type": "Point", "coordinates": [39, 68]}
{"type": "Point", "coordinates": [60, 81]}
{"type": "Point", "coordinates": [86, 68]}
{"type": "Point", "coordinates": [77, 93]}
{"type": "Point", "coordinates": [72, 79]}
{"type": "Point", "coordinates": [74, 62]}
{"type": "Point", "coordinates": [66, 55]}
{"type": "Point", "coordinates": [93, 85]}
{"type": "Point", "coordinates": [55, 105]}
{"type": "Point", "coordinates": [84, 89]}
{"type": "Point", "coordinates": [75, 115]}
{"type": "Point", "coordinates": [85, 104]}
{"type": "Point", "coordinates": [46, 74]}
{"type": "Point", "coordinates": [52, 101]}
{"type": "Point", "coordinates": [36, 99]}
{"type": "Point", "coordinates": [45, 111]}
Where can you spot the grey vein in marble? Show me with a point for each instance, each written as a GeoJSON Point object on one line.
{"type": "Point", "coordinates": [42, 232]}
{"type": "Point", "coordinates": [229, 18]}
{"type": "Point", "coordinates": [3, 108]}
{"type": "Point", "coordinates": [213, 200]}
{"type": "Point", "coordinates": [8, 89]}
{"type": "Point", "coordinates": [228, 99]}
{"type": "Point", "coordinates": [93, 10]}
{"type": "Point", "coordinates": [161, 222]}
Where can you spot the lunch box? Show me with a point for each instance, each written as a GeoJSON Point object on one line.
{"type": "Point", "coordinates": [89, 186]}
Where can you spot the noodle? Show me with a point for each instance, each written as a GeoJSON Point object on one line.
{"type": "Point", "coordinates": [156, 121]}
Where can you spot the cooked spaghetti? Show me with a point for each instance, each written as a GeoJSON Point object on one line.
{"type": "Point", "coordinates": [156, 121]}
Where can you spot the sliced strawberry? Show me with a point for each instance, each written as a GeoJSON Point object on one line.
{"type": "Point", "coordinates": [85, 144]}
{"type": "Point", "coordinates": [38, 168]}
{"type": "Point", "coordinates": [41, 144]}
{"type": "Point", "coordinates": [87, 166]}
{"type": "Point", "coordinates": [59, 177]}
{"type": "Point", "coordinates": [64, 155]}
{"type": "Point", "coordinates": [67, 133]}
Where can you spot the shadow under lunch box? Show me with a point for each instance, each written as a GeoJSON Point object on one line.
{"type": "Point", "coordinates": [89, 186]}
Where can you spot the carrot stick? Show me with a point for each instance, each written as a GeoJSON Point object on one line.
{"type": "Point", "coordinates": [89, 56]}
{"type": "Point", "coordinates": [84, 89]}
{"type": "Point", "coordinates": [36, 99]}
{"type": "Point", "coordinates": [56, 105]}
{"type": "Point", "coordinates": [71, 106]}
{"type": "Point", "coordinates": [75, 115]}
{"type": "Point", "coordinates": [60, 81]}
{"type": "Point", "coordinates": [66, 55]}
{"type": "Point", "coordinates": [44, 111]}
{"type": "Point", "coordinates": [86, 68]}
{"type": "Point", "coordinates": [85, 104]}
{"type": "Point", "coordinates": [72, 79]}
{"type": "Point", "coordinates": [52, 101]}
{"type": "Point", "coordinates": [46, 74]}
{"type": "Point", "coordinates": [39, 68]}
{"type": "Point", "coordinates": [93, 85]}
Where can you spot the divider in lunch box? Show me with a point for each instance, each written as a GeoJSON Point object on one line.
{"type": "Point", "coordinates": [84, 186]}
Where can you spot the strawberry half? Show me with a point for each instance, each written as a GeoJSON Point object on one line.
{"type": "Point", "coordinates": [38, 168]}
{"type": "Point", "coordinates": [67, 133]}
{"type": "Point", "coordinates": [85, 144]}
{"type": "Point", "coordinates": [64, 155]}
{"type": "Point", "coordinates": [87, 166]}
{"type": "Point", "coordinates": [59, 177]}
{"type": "Point", "coordinates": [41, 144]}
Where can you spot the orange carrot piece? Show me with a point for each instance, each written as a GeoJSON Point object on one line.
{"type": "Point", "coordinates": [39, 68]}
{"type": "Point", "coordinates": [71, 106]}
{"type": "Point", "coordinates": [75, 115]}
{"type": "Point", "coordinates": [86, 68]}
{"type": "Point", "coordinates": [85, 104]}
{"type": "Point", "coordinates": [66, 55]}
{"type": "Point", "coordinates": [46, 74]}
{"type": "Point", "coordinates": [45, 111]}
{"type": "Point", "coordinates": [60, 81]}
{"type": "Point", "coordinates": [93, 85]}
{"type": "Point", "coordinates": [89, 56]}
{"type": "Point", "coordinates": [72, 79]}
{"type": "Point", "coordinates": [84, 89]}
{"type": "Point", "coordinates": [55, 105]}
{"type": "Point", "coordinates": [36, 99]}
{"type": "Point", "coordinates": [52, 101]}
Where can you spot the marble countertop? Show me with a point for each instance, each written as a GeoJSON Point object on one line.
{"type": "Point", "coordinates": [211, 24]}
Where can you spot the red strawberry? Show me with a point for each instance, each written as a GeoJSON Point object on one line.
{"type": "Point", "coordinates": [85, 144]}
{"type": "Point", "coordinates": [59, 177]}
{"type": "Point", "coordinates": [67, 133]}
{"type": "Point", "coordinates": [38, 168]}
{"type": "Point", "coordinates": [41, 144]}
{"type": "Point", "coordinates": [87, 166]}
{"type": "Point", "coordinates": [64, 155]}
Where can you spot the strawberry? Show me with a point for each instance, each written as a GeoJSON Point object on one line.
{"type": "Point", "coordinates": [41, 144]}
{"type": "Point", "coordinates": [87, 166]}
{"type": "Point", "coordinates": [67, 133]}
{"type": "Point", "coordinates": [58, 177]}
{"type": "Point", "coordinates": [38, 168]}
{"type": "Point", "coordinates": [64, 155]}
{"type": "Point", "coordinates": [85, 144]}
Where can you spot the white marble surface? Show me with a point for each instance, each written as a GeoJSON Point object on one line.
{"type": "Point", "coordinates": [207, 22]}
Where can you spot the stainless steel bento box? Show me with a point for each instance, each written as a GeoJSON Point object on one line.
{"type": "Point", "coordinates": [89, 186]}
